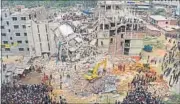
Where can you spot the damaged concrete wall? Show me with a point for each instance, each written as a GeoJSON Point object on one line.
{"type": "Point", "coordinates": [34, 42]}
{"type": "Point", "coordinates": [52, 44]}
{"type": "Point", "coordinates": [41, 39]}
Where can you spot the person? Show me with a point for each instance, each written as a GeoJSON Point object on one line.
{"type": "Point", "coordinates": [120, 67]}
{"type": "Point", "coordinates": [102, 43]}
{"type": "Point", "coordinates": [148, 57]}
{"type": "Point", "coordinates": [75, 67]}
{"type": "Point", "coordinates": [124, 68]}
{"type": "Point", "coordinates": [169, 40]}
{"type": "Point", "coordinates": [116, 102]}
{"type": "Point", "coordinates": [174, 42]}
{"type": "Point", "coordinates": [140, 55]}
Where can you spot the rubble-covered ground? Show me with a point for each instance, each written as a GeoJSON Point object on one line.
{"type": "Point", "coordinates": [112, 86]}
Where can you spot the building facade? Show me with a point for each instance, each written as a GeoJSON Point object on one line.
{"type": "Point", "coordinates": [159, 21]}
{"type": "Point", "coordinates": [38, 36]}
{"type": "Point", "coordinates": [14, 29]}
{"type": "Point", "coordinates": [139, 7]}
{"type": "Point", "coordinates": [119, 31]}
{"type": "Point", "coordinates": [14, 32]}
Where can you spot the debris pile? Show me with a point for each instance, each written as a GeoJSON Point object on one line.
{"type": "Point", "coordinates": [73, 46]}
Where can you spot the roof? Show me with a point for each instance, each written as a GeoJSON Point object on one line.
{"type": "Point", "coordinates": [158, 17]}
{"type": "Point", "coordinates": [150, 27]}
{"type": "Point", "coordinates": [143, 7]}
{"type": "Point", "coordinates": [113, 2]}
{"type": "Point", "coordinates": [66, 29]}
{"type": "Point", "coordinates": [110, 2]}
{"type": "Point", "coordinates": [171, 27]}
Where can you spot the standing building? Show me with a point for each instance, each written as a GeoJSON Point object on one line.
{"type": "Point", "coordinates": [40, 38]}
{"type": "Point", "coordinates": [119, 31]}
{"type": "Point", "coordinates": [14, 29]}
{"type": "Point", "coordinates": [14, 32]}
{"type": "Point", "coordinates": [165, 2]}
{"type": "Point", "coordinates": [139, 7]}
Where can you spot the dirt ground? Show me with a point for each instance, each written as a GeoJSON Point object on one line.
{"type": "Point", "coordinates": [32, 78]}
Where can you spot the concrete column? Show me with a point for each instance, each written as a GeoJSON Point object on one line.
{"type": "Point", "coordinates": [103, 24]}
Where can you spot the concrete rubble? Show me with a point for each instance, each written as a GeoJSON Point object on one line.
{"type": "Point", "coordinates": [74, 45]}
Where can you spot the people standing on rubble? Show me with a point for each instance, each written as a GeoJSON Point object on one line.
{"type": "Point", "coordinates": [139, 95]}
{"type": "Point", "coordinates": [155, 62]}
{"type": "Point", "coordinates": [120, 67]}
{"type": "Point", "coordinates": [102, 43]}
{"type": "Point", "coordinates": [124, 68]}
{"type": "Point", "coordinates": [148, 57]}
{"type": "Point", "coordinates": [75, 67]}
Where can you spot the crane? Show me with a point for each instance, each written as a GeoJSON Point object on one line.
{"type": "Point", "coordinates": [93, 74]}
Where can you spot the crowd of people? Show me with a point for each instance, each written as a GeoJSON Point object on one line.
{"type": "Point", "coordinates": [25, 94]}
{"type": "Point", "coordinates": [170, 64]}
{"type": "Point", "coordinates": [139, 94]}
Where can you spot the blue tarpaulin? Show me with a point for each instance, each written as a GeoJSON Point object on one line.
{"type": "Point", "coordinates": [148, 48]}
{"type": "Point", "coordinates": [87, 12]}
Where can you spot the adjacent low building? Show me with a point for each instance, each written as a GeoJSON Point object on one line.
{"type": "Point", "coordinates": [167, 26]}
{"type": "Point", "coordinates": [158, 20]}
{"type": "Point", "coordinates": [171, 31]}
{"type": "Point", "coordinates": [152, 31]}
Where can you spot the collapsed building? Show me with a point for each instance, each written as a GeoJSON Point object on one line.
{"type": "Point", "coordinates": [119, 31]}
{"type": "Point", "coordinates": [72, 45]}
{"type": "Point", "coordinates": [66, 38]}
{"type": "Point", "coordinates": [72, 36]}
